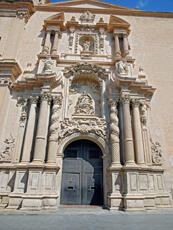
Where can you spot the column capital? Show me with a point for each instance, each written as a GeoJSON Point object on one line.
{"type": "Point", "coordinates": [135, 102]}
{"type": "Point", "coordinates": [48, 31]}
{"type": "Point", "coordinates": [57, 100]}
{"type": "Point", "coordinates": [46, 97]}
{"type": "Point", "coordinates": [125, 35]}
{"type": "Point", "coordinates": [125, 99]}
{"type": "Point", "coordinates": [113, 102]}
{"type": "Point", "coordinates": [33, 99]}
{"type": "Point", "coordinates": [21, 101]}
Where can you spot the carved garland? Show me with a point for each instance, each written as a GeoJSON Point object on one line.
{"type": "Point", "coordinates": [84, 126]}
{"type": "Point", "coordinates": [86, 68]}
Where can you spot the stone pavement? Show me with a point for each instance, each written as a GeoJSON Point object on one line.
{"type": "Point", "coordinates": [86, 219]}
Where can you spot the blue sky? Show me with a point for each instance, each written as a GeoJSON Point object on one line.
{"type": "Point", "coordinates": [148, 5]}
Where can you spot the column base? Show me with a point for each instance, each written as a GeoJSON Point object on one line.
{"type": "Point", "coordinates": [37, 161]}
{"type": "Point", "coordinates": [115, 166]}
{"type": "Point", "coordinates": [115, 202]}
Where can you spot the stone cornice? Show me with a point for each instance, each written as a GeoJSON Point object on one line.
{"type": "Point", "coordinates": [133, 85]}
{"type": "Point", "coordinates": [132, 12]}
{"type": "Point", "coordinates": [8, 9]}
{"type": "Point", "coordinates": [9, 68]}
{"type": "Point", "coordinates": [37, 82]}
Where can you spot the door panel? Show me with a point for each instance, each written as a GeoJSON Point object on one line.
{"type": "Point", "coordinates": [71, 189]}
{"type": "Point", "coordinates": [82, 180]}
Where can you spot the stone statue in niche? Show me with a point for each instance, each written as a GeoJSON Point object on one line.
{"type": "Point", "coordinates": [48, 66]}
{"type": "Point", "coordinates": [122, 67]}
{"type": "Point", "coordinates": [86, 46]}
{"type": "Point", "coordinates": [7, 147]}
{"type": "Point", "coordinates": [87, 43]}
{"type": "Point", "coordinates": [87, 17]}
{"type": "Point", "coordinates": [84, 105]}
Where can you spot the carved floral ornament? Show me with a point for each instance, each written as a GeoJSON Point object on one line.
{"type": "Point", "coordinates": [23, 103]}
{"type": "Point", "coordinates": [7, 147]}
{"type": "Point", "coordinates": [87, 17]}
{"type": "Point", "coordinates": [86, 68]}
{"type": "Point", "coordinates": [156, 152]}
{"type": "Point", "coordinates": [84, 126]}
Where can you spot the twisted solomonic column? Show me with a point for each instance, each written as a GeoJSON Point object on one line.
{"type": "Point", "coordinates": [53, 132]}
{"type": "Point", "coordinates": [114, 134]}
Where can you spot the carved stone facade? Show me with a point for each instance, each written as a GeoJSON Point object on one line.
{"type": "Point", "coordinates": [76, 78]}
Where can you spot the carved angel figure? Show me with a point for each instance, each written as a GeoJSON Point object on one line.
{"type": "Point", "coordinates": [122, 67]}
{"type": "Point", "coordinates": [86, 46]}
{"type": "Point", "coordinates": [48, 65]}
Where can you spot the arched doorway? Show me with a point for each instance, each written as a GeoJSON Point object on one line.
{"type": "Point", "coordinates": [82, 174]}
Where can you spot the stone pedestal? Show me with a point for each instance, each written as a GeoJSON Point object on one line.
{"type": "Point", "coordinates": [115, 199]}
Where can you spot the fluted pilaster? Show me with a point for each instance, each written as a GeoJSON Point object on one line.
{"type": "Point", "coordinates": [55, 43]}
{"type": "Point", "coordinates": [46, 48]}
{"type": "Point", "coordinates": [128, 138]}
{"type": "Point", "coordinates": [125, 45]}
{"type": "Point", "coordinates": [30, 130]}
{"type": "Point", "coordinates": [22, 102]}
{"type": "Point", "coordinates": [42, 128]}
{"type": "Point", "coordinates": [117, 46]}
{"type": "Point", "coordinates": [137, 133]}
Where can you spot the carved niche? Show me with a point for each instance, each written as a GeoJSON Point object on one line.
{"type": "Point", "coordinates": [85, 84]}
{"type": "Point", "coordinates": [7, 147]}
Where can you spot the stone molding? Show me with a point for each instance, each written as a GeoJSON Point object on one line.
{"type": "Point", "coordinates": [110, 9]}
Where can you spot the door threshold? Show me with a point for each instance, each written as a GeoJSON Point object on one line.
{"type": "Point", "coordinates": [80, 206]}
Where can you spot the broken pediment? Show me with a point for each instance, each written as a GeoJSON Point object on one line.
{"type": "Point", "coordinates": [116, 22]}
{"type": "Point", "coordinates": [57, 19]}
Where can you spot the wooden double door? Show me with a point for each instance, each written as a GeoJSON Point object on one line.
{"type": "Point", "coordinates": [82, 175]}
